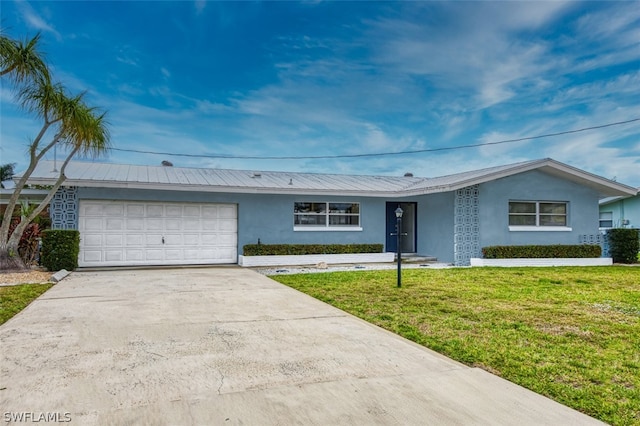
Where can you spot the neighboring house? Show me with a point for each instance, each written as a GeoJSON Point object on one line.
{"type": "Point", "coordinates": [148, 215]}
{"type": "Point", "coordinates": [620, 212]}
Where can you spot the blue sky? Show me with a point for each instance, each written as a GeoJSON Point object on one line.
{"type": "Point", "coordinates": [267, 79]}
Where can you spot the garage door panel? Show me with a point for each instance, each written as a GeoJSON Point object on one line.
{"type": "Point", "coordinates": [92, 240]}
{"type": "Point", "coordinates": [173, 224]}
{"type": "Point", "coordinates": [173, 240]}
{"type": "Point", "coordinates": [152, 240]}
{"type": "Point", "coordinates": [93, 224]}
{"type": "Point", "coordinates": [173, 211]}
{"type": "Point", "coordinates": [174, 254]}
{"type": "Point", "coordinates": [191, 211]}
{"type": "Point", "coordinates": [113, 255]}
{"type": "Point", "coordinates": [135, 224]}
{"type": "Point", "coordinates": [91, 256]}
{"type": "Point", "coordinates": [191, 224]}
{"type": "Point", "coordinates": [135, 210]}
{"type": "Point", "coordinates": [133, 240]}
{"type": "Point", "coordinates": [228, 225]}
{"type": "Point", "coordinates": [92, 210]}
{"type": "Point", "coordinates": [191, 240]}
{"type": "Point", "coordinates": [155, 254]}
{"type": "Point", "coordinates": [115, 224]}
{"type": "Point", "coordinates": [113, 209]}
{"type": "Point", "coordinates": [155, 210]}
{"type": "Point", "coordinates": [113, 240]}
{"type": "Point", "coordinates": [152, 233]}
{"type": "Point", "coordinates": [134, 255]}
{"type": "Point", "coordinates": [225, 240]}
{"type": "Point", "coordinates": [155, 224]}
{"type": "Point", "coordinates": [226, 210]}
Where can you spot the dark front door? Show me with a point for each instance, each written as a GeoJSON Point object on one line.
{"type": "Point", "coordinates": [409, 224]}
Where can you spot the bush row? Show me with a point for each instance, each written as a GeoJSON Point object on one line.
{"type": "Point", "coordinates": [300, 249]}
{"type": "Point", "coordinates": [624, 244]}
{"type": "Point", "coordinates": [60, 249]}
{"type": "Point", "coordinates": [541, 251]}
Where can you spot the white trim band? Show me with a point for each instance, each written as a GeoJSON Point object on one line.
{"type": "Point", "coordinates": [540, 228]}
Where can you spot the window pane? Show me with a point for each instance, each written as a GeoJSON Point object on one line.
{"type": "Point", "coordinates": [311, 220]}
{"type": "Point", "coordinates": [344, 208]}
{"type": "Point", "coordinates": [606, 220]}
{"type": "Point", "coordinates": [309, 207]}
{"type": "Point", "coordinates": [522, 220]}
{"type": "Point", "coordinates": [553, 208]}
{"type": "Point", "coordinates": [344, 220]}
{"type": "Point", "coordinates": [301, 207]}
{"type": "Point", "coordinates": [553, 220]}
{"type": "Point", "coordinates": [520, 207]}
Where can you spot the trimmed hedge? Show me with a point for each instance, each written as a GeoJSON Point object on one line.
{"type": "Point", "coordinates": [624, 244]}
{"type": "Point", "coordinates": [541, 251]}
{"type": "Point", "coordinates": [60, 249]}
{"type": "Point", "coordinates": [301, 249]}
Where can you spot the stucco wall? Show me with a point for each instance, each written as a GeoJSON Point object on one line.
{"type": "Point", "coordinates": [535, 186]}
{"type": "Point", "coordinates": [435, 226]}
{"type": "Point", "coordinates": [265, 217]}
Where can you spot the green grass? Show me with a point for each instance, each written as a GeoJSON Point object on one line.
{"type": "Point", "coordinates": [15, 298]}
{"type": "Point", "coordinates": [572, 334]}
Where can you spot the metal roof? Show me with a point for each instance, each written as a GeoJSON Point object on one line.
{"type": "Point", "coordinates": [94, 174]}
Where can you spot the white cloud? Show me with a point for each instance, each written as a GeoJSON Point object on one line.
{"type": "Point", "coordinates": [34, 20]}
{"type": "Point", "coordinates": [200, 6]}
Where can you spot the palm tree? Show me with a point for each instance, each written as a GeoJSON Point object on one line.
{"type": "Point", "coordinates": [6, 172]}
{"type": "Point", "coordinates": [76, 126]}
{"type": "Point", "coordinates": [22, 61]}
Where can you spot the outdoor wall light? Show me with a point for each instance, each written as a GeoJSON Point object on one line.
{"type": "Point", "coordinates": [398, 236]}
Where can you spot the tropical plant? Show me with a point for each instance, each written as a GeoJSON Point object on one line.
{"type": "Point", "coordinates": [22, 62]}
{"type": "Point", "coordinates": [6, 172]}
{"type": "Point", "coordinates": [75, 126]}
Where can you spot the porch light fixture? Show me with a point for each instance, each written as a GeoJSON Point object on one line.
{"type": "Point", "coordinates": [398, 235]}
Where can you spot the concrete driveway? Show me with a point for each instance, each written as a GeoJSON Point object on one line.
{"type": "Point", "coordinates": [227, 346]}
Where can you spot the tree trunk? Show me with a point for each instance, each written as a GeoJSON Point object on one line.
{"type": "Point", "coordinates": [10, 253]}
{"type": "Point", "coordinates": [33, 162]}
{"type": "Point", "coordinates": [10, 260]}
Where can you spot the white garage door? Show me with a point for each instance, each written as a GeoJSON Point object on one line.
{"type": "Point", "coordinates": [121, 233]}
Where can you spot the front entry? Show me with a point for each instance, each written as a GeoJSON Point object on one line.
{"type": "Point", "coordinates": [409, 225]}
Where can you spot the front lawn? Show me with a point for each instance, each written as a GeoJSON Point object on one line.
{"type": "Point", "coordinates": [572, 334]}
{"type": "Point", "coordinates": [15, 298]}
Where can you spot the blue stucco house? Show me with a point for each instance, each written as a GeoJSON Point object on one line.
{"type": "Point", "coordinates": [157, 215]}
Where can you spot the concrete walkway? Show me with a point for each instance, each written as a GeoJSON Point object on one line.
{"type": "Point", "coordinates": [228, 346]}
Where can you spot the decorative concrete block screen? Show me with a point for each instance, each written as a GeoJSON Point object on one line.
{"type": "Point", "coordinates": [597, 239]}
{"type": "Point", "coordinates": [64, 208]}
{"type": "Point", "coordinates": [466, 234]}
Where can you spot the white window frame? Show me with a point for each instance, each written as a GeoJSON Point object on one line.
{"type": "Point", "coordinates": [537, 227]}
{"type": "Point", "coordinates": [327, 226]}
{"type": "Point", "coordinates": [600, 220]}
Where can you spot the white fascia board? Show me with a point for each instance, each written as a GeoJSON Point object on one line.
{"type": "Point", "coordinates": [221, 189]}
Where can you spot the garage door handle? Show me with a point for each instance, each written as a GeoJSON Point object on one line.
{"type": "Point", "coordinates": [162, 240]}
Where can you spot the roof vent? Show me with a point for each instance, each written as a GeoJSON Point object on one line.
{"type": "Point", "coordinates": [167, 163]}
{"type": "Point", "coordinates": [256, 175]}
{"type": "Point", "coordinates": [408, 174]}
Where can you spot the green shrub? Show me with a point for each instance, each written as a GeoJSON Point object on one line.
{"type": "Point", "coordinates": [60, 249]}
{"type": "Point", "coordinates": [624, 244]}
{"type": "Point", "coordinates": [299, 249]}
{"type": "Point", "coordinates": [541, 251]}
